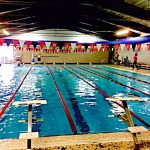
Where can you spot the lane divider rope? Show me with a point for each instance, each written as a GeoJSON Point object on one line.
{"type": "Point", "coordinates": [107, 96]}
{"type": "Point", "coordinates": [12, 97]}
{"type": "Point", "coordinates": [72, 125]}
{"type": "Point", "coordinates": [110, 79]}
{"type": "Point", "coordinates": [120, 74]}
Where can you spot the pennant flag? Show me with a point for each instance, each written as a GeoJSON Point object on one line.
{"type": "Point", "coordinates": [15, 42]}
{"type": "Point", "coordinates": [117, 47]}
{"type": "Point", "coordinates": [34, 45]}
{"type": "Point", "coordinates": [111, 47]}
{"type": "Point", "coordinates": [128, 46]}
{"type": "Point", "coordinates": [99, 46]}
{"type": "Point", "coordinates": [28, 43]}
{"type": "Point", "coordinates": [1, 42]}
{"type": "Point", "coordinates": [21, 43]}
{"type": "Point", "coordinates": [138, 46]}
{"type": "Point", "coordinates": [92, 46]}
{"type": "Point", "coordinates": [41, 43]}
{"type": "Point", "coordinates": [144, 46]}
{"type": "Point", "coordinates": [54, 44]}
{"type": "Point", "coordinates": [148, 46]}
{"type": "Point", "coordinates": [7, 42]}
{"type": "Point", "coordinates": [122, 46]}
{"type": "Point", "coordinates": [133, 47]}
{"type": "Point", "coordinates": [105, 46]}
{"type": "Point", "coordinates": [79, 47]}
{"type": "Point", "coordinates": [73, 45]}
{"type": "Point", "coordinates": [95, 49]}
{"type": "Point", "coordinates": [67, 45]}
{"type": "Point", "coordinates": [47, 44]}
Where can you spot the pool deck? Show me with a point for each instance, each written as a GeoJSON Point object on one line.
{"type": "Point", "coordinates": [140, 71]}
{"type": "Point", "coordinates": [112, 141]}
{"type": "Point", "coordinates": [100, 141]}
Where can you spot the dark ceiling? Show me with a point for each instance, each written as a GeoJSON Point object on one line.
{"type": "Point", "coordinates": [101, 18]}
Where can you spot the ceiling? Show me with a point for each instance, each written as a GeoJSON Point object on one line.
{"type": "Point", "coordinates": [100, 18]}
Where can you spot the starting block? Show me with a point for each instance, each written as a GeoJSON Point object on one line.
{"type": "Point", "coordinates": [31, 102]}
{"type": "Point", "coordinates": [126, 99]}
{"type": "Point", "coordinates": [133, 129]}
{"type": "Point", "coordinates": [29, 135]}
{"type": "Point", "coordinates": [137, 129]}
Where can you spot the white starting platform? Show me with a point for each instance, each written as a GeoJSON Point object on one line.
{"type": "Point", "coordinates": [137, 129]}
{"type": "Point", "coordinates": [30, 102]}
{"type": "Point", "coordinates": [29, 135]}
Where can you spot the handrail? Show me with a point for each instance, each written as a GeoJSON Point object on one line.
{"type": "Point", "coordinates": [12, 97]}
{"type": "Point", "coordinates": [119, 74]}
{"type": "Point", "coordinates": [72, 125]}
{"type": "Point", "coordinates": [110, 79]}
{"type": "Point", "coordinates": [107, 96]}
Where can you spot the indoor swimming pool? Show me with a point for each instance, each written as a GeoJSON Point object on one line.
{"type": "Point", "coordinates": [81, 90]}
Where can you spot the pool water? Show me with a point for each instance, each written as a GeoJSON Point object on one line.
{"type": "Point", "coordinates": [90, 112]}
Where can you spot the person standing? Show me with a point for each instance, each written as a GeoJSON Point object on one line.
{"type": "Point", "coordinates": [135, 59]}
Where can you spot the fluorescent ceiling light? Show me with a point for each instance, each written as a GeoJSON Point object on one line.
{"type": "Point", "coordinates": [122, 32]}
{"type": "Point", "coordinates": [5, 32]}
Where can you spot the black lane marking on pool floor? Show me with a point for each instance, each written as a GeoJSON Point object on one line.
{"type": "Point", "coordinates": [72, 125]}
{"type": "Point", "coordinates": [106, 96]}
{"type": "Point", "coordinates": [84, 128]}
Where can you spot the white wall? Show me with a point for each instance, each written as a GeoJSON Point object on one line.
{"type": "Point", "coordinates": [143, 55]}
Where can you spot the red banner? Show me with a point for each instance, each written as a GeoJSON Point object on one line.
{"type": "Point", "coordinates": [105, 46]}
{"type": "Point", "coordinates": [117, 47]}
{"type": "Point", "coordinates": [128, 46]}
{"type": "Point", "coordinates": [148, 47]}
{"type": "Point", "coordinates": [67, 45]}
{"type": "Point", "coordinates": [28, 43]}
{"type": "Point", "coordinates": [1, 42]}
{"type": "Point", "coordinates": [138, 47]}
{"type": "Point", "coordinates": [79, 47]}
{"type": "Point", "coordinates": [15, 42]}
{"type": "Point", "coordinates": [42, 43]}
{"type": "Point", "coordinates": [92, 46]}
{"type": "Point", "coordinates": [54, 44]}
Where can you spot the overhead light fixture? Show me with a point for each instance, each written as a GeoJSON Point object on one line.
{"type": "Point", "coordinates": [5, 32]}
{"type": "Point", "coordinates": [122, 32]}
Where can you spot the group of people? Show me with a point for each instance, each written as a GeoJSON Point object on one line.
{"type": "Point", "coordinates": [126, 62]}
